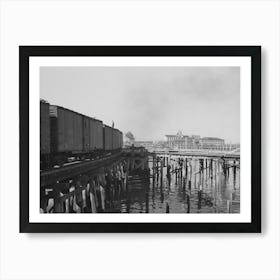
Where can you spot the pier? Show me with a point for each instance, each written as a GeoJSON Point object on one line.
{"type": "Point", "coordinates": [200, 153]}
{"type": "Point", "coordinates": [133, 176]}
{"type": "Point", "coordinates": [87, 186]}
{"type": "Point", "coordinates": [201, 176]}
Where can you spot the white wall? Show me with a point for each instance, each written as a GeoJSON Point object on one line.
{"type": "Point", "coordinates": [139, 256]}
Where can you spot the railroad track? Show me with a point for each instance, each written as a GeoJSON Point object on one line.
{"type": "Point", "coordinates": [50, 177]}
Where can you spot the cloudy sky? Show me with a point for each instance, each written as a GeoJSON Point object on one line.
{"type": "Point", "coordinates": [151, 101]}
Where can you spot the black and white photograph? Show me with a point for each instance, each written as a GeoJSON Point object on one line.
{"type": "Point", "coordinates": [140, 139]}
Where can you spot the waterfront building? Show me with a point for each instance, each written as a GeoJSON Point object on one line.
{"type": "Point", "coordinates": [181, 141]}
{"type": "Point", "coordinates": [212, 142]}
{"type": "Point", "coordinates": [177, 141]}
{"type": "Point", "coordinates": [194, 142]}
{"type": "Point", "coordinates": [145, 144]}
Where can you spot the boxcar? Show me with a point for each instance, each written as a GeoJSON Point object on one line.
{"type": "Point", "coordinates": [65, 133]}
{"type": "Point", "coordinates": [108, 137]}
{"type": "Point", "coordinates": [45, 147]}
{"type": "Point", "coordinates": [121, 136]}
{"type": "Point", "coordinates": [92, 134]}
{"type": "Point", "coordinates": [120, 139]}
{"type": "Point", "coordinates": [114, 139]}
{"type": "Point", "coordinates": [96, 134]}
{"type": "Point", "coordinates": [117, 141]}
{"type": "Point", "coordinates": [66, 130]}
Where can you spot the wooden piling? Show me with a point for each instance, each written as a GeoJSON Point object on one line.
{"type": "Point", "coordinates": [234, 174]}
{"type": "Point", "coordinates": [167, 207]}
{"type": "Point", "coordinates": [161, 172]}
{"type": "Point", "coordinates": [157, 169]}
{"type": "Point", "coordinates": [199, 194]}
{"type": "Point", "coordinates": [186, 168]}
{"type": "Point", "coordinates": [190, 166]}
{"type": "Point", "coordinates": [188, 204]}
{"type": "Point", "coordinates": [57, 202]}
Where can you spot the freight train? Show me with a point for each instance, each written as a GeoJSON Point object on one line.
{"type": "Point", "coordinates": [67, 135]}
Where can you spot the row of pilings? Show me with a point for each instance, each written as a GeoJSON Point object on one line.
{"type": "Point", "coordinates": [195, 176]}
{"type": "Point", "coordinates": [87, 193]}
{"type": "Point", "coordinates": [102, 190]}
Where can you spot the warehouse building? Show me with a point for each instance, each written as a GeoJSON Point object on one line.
{"type": "Point", "coordinates": [177, 141]}
{"type": "Point", "coordinates": [212, 142]}
{"type": "Point", "coordinates": [181, 141]}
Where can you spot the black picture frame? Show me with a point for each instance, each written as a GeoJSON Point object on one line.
{"type": "Point", "coordinates": [25, 52]}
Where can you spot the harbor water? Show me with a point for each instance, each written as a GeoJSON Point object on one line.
{"type": "Point", "coordinates": [177, 185]}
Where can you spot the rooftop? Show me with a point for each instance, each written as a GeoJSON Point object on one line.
{"type": "Point", "coordinates": [212, 138]}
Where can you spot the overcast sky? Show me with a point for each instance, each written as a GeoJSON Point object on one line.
{"type": "Point", "coordinates": [151, 101]}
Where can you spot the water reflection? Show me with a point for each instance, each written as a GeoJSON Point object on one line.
{"type": "Point", "coordinates": [180, 186]}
